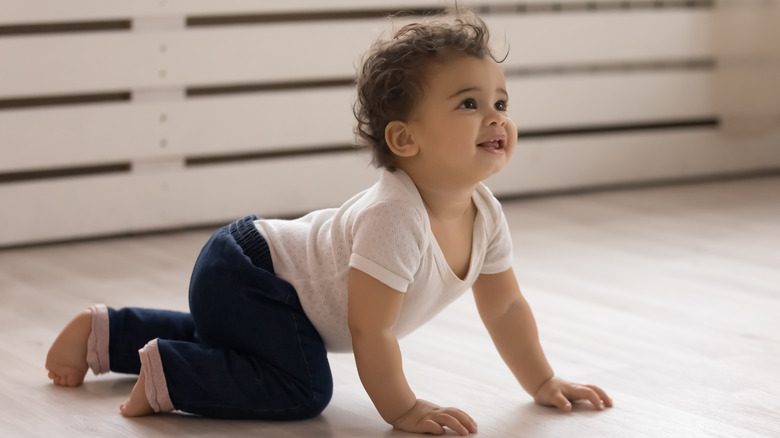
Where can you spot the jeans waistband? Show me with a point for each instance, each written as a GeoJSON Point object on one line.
{"type": "Point", "coordinates": [252, 242]}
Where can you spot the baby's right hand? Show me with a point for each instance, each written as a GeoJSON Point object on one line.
{"type": "Point", "coordinates": [426, 417]}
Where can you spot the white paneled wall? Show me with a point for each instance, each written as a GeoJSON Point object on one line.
{"type": "Point", "coordinates": [121, 117]}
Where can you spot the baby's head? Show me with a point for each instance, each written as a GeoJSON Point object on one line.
{"type": "Point", "coordinates": [391, 80]}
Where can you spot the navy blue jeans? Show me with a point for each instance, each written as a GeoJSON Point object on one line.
{"type": "Point", "coordinates": [245, 350]}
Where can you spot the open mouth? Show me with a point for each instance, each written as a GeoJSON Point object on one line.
{"type": "Point", "coordinates": [494, 145]}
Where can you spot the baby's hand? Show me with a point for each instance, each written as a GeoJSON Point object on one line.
{"type": "Point", "coordinates": [560, 393]}
{"type": "Point", "coordinates": [426, 417]}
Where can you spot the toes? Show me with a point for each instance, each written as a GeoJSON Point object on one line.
{"type": "Point", "coordinates": [68, 379]}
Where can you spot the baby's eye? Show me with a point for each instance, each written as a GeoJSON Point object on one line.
{"type": "Point", "coordinates": [468, 104]}
{"type": "Point", "coordinates": [501, 105]}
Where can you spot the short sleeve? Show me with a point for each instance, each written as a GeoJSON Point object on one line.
{"type": "Point", "coordinates": [499, 255]}
{"type": "Point", "coordinates": [388, 242]}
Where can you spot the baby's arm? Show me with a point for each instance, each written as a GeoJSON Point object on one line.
{"type": "Point", "coordinates": [373, 310]}
{"type": "Point", "coordinates": [512, 327]}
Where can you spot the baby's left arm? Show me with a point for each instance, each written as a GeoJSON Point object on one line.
{"type": "Point", "coordinates": [511, 325]}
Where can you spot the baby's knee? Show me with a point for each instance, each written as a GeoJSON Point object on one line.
{"type": "Point", "coordinates": [314, 407]}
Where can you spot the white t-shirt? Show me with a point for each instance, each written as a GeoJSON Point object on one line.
{"type": "Point", "coordinates": [385, 232]}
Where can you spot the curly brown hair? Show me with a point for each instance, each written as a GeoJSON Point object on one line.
{"type": "Point", "coordinates": [391, 79]}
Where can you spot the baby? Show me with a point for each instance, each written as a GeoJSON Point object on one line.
{"type": "Point", "coordinates": [270, 298]}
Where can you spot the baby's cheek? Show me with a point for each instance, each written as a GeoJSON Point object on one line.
{"type": "Point", "coordinates": [511, 135]}
{"type": "Point", "coordinates": [511, 127]}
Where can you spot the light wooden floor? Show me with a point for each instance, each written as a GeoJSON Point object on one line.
{"type": "Point", "coordinates": [668, 298]}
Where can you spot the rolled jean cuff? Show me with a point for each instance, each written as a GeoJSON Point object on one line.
{"type": "Point", "coordinates": [156, 386]}
{"type": "Point", "coordinates": [97, 343]}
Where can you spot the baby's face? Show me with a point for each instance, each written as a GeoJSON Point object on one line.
{"type": "Point", "coordinates": [461, 124]}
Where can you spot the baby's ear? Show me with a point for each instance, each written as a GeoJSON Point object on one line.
{"type": "Point", "coordinates": [400, 140]}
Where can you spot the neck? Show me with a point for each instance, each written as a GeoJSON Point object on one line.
{"type": "Point", "coordinates": [444, 200]}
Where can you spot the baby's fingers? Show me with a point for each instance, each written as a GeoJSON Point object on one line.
{"type": "Point", "coordinates": [604, 397]}
{"type": "Point", "coordinates": [448, 420]}
{"type": "Point", "coordinates": [561, 402]}
{"type": "Point", "coordinates": [463, 418]}
{"type": "Point", "coordinates": [432, 427]}
{"type": "Point", "coordinates": [586, 393]}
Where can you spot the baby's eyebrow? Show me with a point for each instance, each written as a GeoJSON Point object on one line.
{"type": "Point", "coordinates": [465, 90]}
{"type": "Point", "coordinates": [469, 89]}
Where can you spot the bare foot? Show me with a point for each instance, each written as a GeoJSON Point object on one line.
{"type": "Point", "coordinates": [137, 405]}
{"type": "Point", "coordinates": [67, 358]}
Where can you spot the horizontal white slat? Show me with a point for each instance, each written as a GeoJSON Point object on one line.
{"type": "Point", "coordinates": [23, 11]}
{"type": "Point", "coordinates": [130, 60]}
{"type": "Point", "coordinates": [95, 134]}
{"type": "Point", "coordinates": [604, 37]}
{"type": "Point", "coordinates": [107, 61]}
{"type": "Point", "coordinates": [93, 206]}
{"type": "Point", "coordinates": [89, 206]}
{"type": "Point", "coordinates": [609, 99]}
